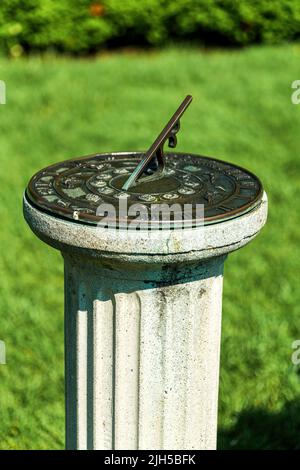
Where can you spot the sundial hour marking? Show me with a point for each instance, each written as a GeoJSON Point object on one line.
{"type": "Point", "coordinates": [224, 208]}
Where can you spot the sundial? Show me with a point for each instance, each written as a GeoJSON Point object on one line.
{"type": "Point", "coordinates": [74, 189]}
{"type": "Point", "coordinates": [137, 303]}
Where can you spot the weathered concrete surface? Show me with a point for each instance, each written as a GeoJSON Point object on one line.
{"type": "Point", "coordinates": [142, 358]}
{"type": "Point", "coordinates": [167, 246]}
{"type": "Point", "coordinates": [143, 327]}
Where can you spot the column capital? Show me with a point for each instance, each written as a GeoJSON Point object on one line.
{"type": "Point", "coordinates": [147, 247]}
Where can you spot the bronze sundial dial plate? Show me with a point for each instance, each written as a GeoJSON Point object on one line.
{"type": "Point", "coordinates": [169, 190]}
{"type": "Point", "coordinates": [74, 189]}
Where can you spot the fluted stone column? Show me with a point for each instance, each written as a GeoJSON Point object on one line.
{"type": "Point", "coordinates": [142, 330]}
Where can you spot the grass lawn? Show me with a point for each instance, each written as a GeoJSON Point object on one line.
{"type": "Point", "coordinates": [242, 112]}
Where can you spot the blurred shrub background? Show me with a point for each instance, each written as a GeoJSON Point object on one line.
{"type": "Point", "coordinates": [82, 26]}
{"type": "Point", "coordinates": [79, 102]}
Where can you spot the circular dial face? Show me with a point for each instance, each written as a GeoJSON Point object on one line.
{"type": "Point", "coordinates": [81, 188]}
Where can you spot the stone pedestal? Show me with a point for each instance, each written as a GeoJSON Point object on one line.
{"type": "Point", "coordinates": [142, 330]}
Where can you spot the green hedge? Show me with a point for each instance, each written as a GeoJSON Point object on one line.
{"type": "Point", "coordinates": [83, 26]}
